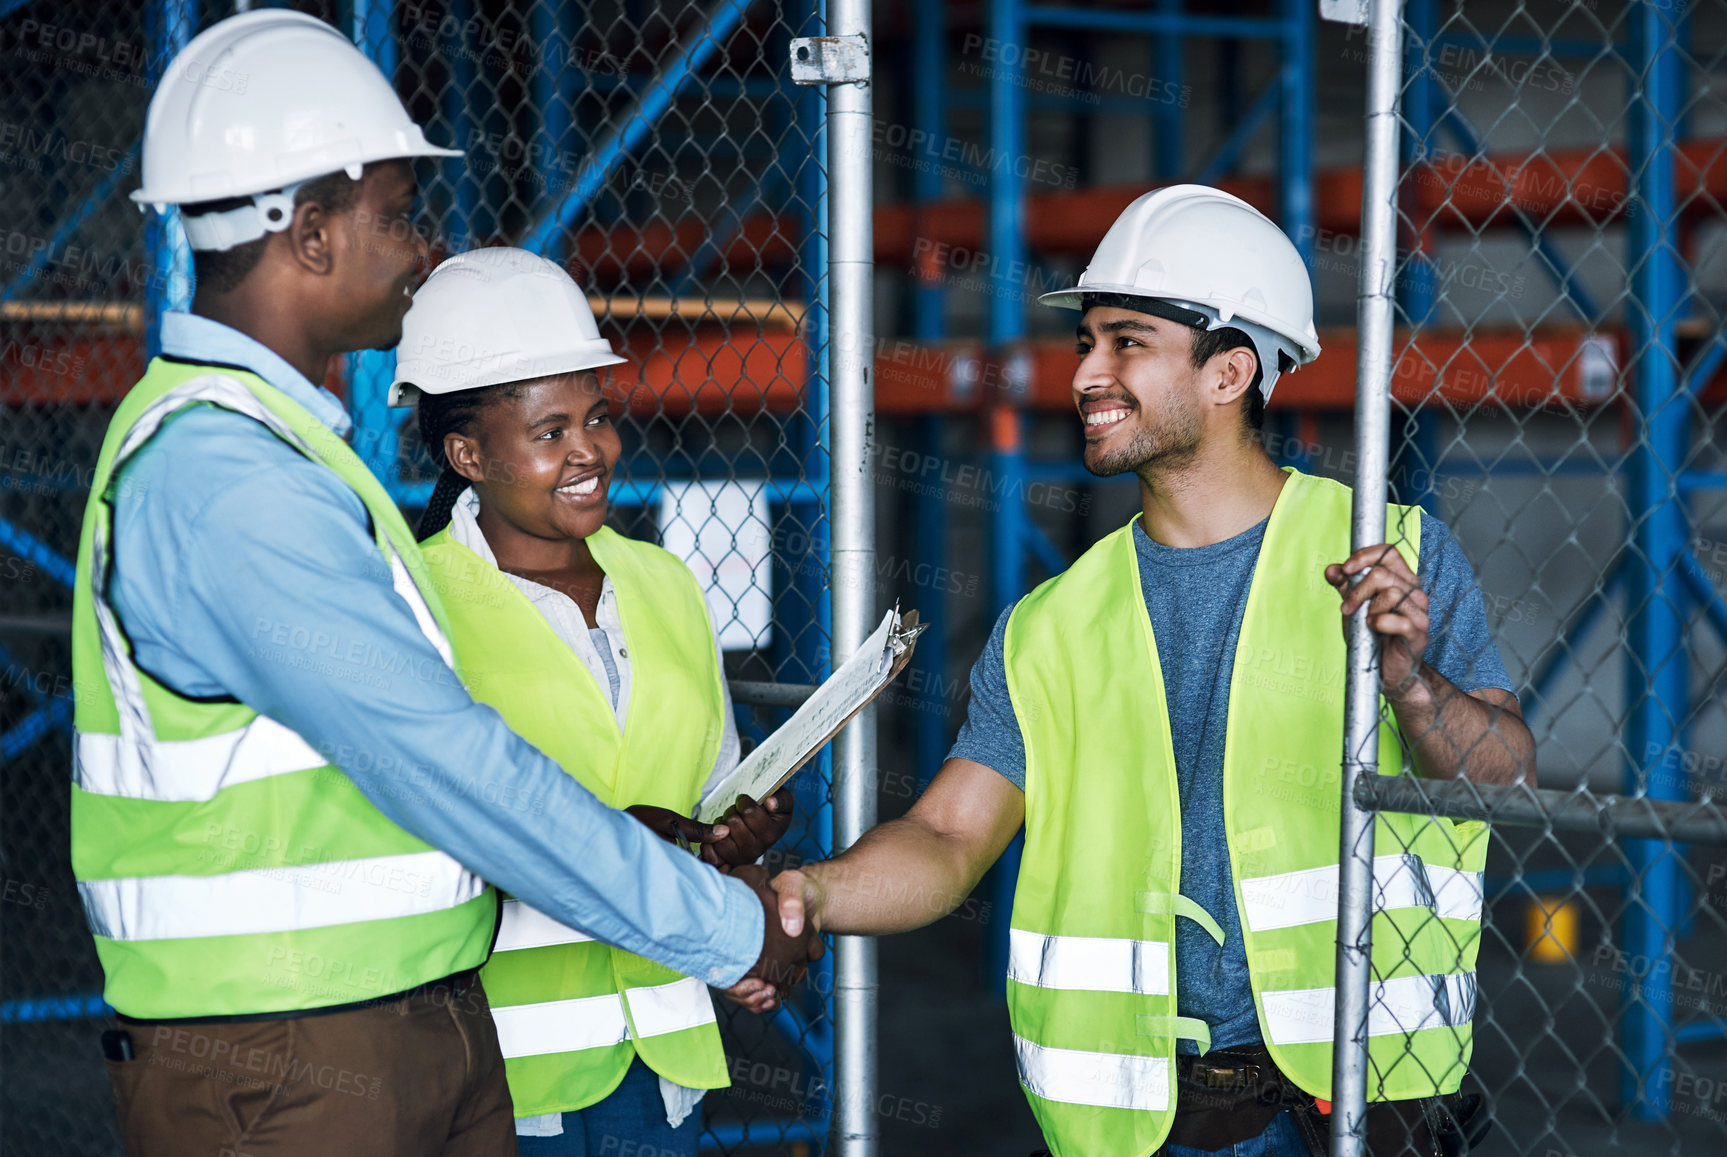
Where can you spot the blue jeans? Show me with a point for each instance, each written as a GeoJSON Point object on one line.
{"type": "Point", "coordinates": [1280, 1139]}
{"type": "Point", "coordinates": [629, 1123]}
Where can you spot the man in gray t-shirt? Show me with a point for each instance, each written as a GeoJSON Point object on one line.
{"type": "Point", "coordinates": [1171, 386]}
{"type": "Point", "coordinates": [1195, 597]}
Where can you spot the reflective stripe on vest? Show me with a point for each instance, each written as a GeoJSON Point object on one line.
{"type": "Point", "coordinates": [288, 899]}
{"type": "Point", "coordinates": [1104, 1080]}
{"type": "Point", "coordinates": [1086, 684]}
{"type": "Point", "coordinates": [1309, 896]}
{"type": "Point", "coordinates": [564, 1003]}
{"type": "Point", "coordinates": [136, 762]}
{"type": "Point", "coordinates": [525, 927]}
{"type": "Point", "coordinates": [560, 1026]}
{"type": "Point", "coordinates": [1090, 963]}
{"type": "Point", "coordinates": [667, 1008]}
{"type": "Point", "coordinates": [591, 1022]}
{"type": "Point", "coordinates": [189, 769]}
{"type": "Point", "coordinates": [1457, 894]}
{"type": "Point", "coordinates": [1397, 1007]}
{"type": "Point", "coordinates": [216, 851]}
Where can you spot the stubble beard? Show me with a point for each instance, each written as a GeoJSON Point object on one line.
{"type": "Point", "coordinates": [1173, 444]}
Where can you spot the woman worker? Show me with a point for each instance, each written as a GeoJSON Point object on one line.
{"type": "Point", "coordinates": [596, 648]}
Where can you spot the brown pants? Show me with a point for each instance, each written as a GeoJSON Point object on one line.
{"type": "Point", "coordinates": [414, 1077]}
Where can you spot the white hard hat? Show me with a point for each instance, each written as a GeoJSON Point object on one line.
{"type": "Point", "coordinates": [492, 316]}
{"type": "Point", "coordinates": [257, 105]}
{"type": "Point", "coordinates": [1206, 253]}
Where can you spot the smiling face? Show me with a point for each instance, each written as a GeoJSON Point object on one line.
{"type": "Point", "coordinates": [379, 255]}
{"type": "Point", "coordinates": [540, 455]}
{"type": "Point", "coordinates": [1137, 390]}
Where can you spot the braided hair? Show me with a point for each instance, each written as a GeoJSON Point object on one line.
{"type": "Point", "coordinates": [454, 413]}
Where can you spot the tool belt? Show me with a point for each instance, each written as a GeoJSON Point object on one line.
{"type": "Point", "coordinates": [1231, 1095]}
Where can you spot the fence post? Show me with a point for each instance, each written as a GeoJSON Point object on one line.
{"type": "Point", "coordinates": [1374, 315]}
{"type": "Point", "coordinates": [1004, 332]}
{"type": "Point", "coordinates": [167, 256]}
{"type": "Point", "coordinates": [851, 270]}
{"type": "Point", "coordinates": [377, 429]}
{"type": "Point", "coordinates": [1658, 666]}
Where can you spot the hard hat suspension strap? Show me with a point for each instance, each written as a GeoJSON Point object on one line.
{"type": "Point", "coordinates": [262, 213]}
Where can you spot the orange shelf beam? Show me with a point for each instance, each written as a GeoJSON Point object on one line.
{"type": "Point", "coordinates": [1564, 187]}
{"type": "Point", "coordinates": [1585, 187]}
{"type": "Point", "coordinates": [1551, 368]}
{"type": "Point", "coordinates": [712, 372]}
{"type": "Point", "coordinates": [717, 371]}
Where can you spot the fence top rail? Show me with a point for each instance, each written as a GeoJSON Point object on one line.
{"type": "Point", "coordinates": [1577, 810]}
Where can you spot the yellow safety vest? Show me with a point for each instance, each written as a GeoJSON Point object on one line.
{"type": "Point", "coordinates": [1091, 980]}
{"type": "Point", "coordinates": [571, 1012]}
{"type": "Point", "coordinates": [226, 866]}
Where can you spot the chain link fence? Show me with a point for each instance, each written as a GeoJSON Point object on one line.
{"type": "Point", "coordinates": [1555, 392]}
{"type": "Point", "coordinates": [1556, 386]}
{"type": "Point", "coordinates": [662, 152]}
{"type": "Point", "coordinates": [1555, 400]}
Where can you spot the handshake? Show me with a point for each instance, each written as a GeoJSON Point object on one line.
{"type": "Point", "coordinates": [732, 845]}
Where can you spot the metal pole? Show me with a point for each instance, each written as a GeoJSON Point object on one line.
{"type": "Point", "coordinates": [803, 153]}
{"type": "Point", "coordinates": [1631, 817]}
{"type": "Point", "coordinates": [555, 88]}
{"type": "Point", "coordinates": [631, 128]}
{"type": "Point", "coordinates": [1169, 118]}
{"type": "Point", "coordinates": [168, 259]}
{"type": "Point", "coordinates": [851, 272]}
{"type": "Point", "coordinates": [1006, 232]}
{"type": "Point", "coordinates": [1296, 111]}
{"type": "Point", "coordinates": [63, 232]}
{"type": "Point", "coordinates": [1374, 314]}
{"type": "Point", "coordinates": [1657, 665]}
{"type": "Point", "coordinates": [377, 431]}
{"type": "Point", "coordinates": [459, 115]}
{"type": "Point", "coordinates": [1418, 433]}
{"type": "Point", "coordinates": [929, 116]}
{"type": "Point", "coordinates": [929, 514]}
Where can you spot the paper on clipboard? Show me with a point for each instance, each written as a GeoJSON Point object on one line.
{"type": "Point", "coordinates": [849, 690]}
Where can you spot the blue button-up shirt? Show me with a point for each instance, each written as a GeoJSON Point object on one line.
{"type": "Point", "coordinates": [243, 569]}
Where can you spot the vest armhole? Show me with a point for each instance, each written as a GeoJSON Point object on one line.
{"type": "Point", "coordinates": [132, 657]}
{"type": "Point", "coordinates": [126, 636]}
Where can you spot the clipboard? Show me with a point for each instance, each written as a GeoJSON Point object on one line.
{"type": "Point", "coordinates": [869, 671]}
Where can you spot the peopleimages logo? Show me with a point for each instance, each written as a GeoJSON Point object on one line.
{"type": "Point", "coordinates": [1085, 75]}
{"type": "Point", "coordinates": [970, 155]}
{"type": "Point", "coordinates": [21, 140]}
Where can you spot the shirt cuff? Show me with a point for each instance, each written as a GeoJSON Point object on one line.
{"type": "Point", "coordinates": [740, 944]}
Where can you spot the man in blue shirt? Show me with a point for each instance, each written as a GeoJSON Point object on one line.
{"type": "Point", "coordinates": [1192, 308]}
{"type": "Point", "coordinates": [243, 571]}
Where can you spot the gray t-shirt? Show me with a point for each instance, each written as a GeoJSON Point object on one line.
{"type": "Point", "coordinates": [1196, 597]}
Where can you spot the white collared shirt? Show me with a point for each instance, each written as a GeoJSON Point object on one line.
{"type": "Point", "coordinates": [569, 624]}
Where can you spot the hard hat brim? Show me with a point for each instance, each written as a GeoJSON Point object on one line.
{"type": "Point", "coordinates": [287, 175]}
{"type": "Point", "coordinates": [459, 377]}
{"type": "Point", "coordinates": [1074, 298]}
{"type": "Point", "coordinates": [1067, 298]}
